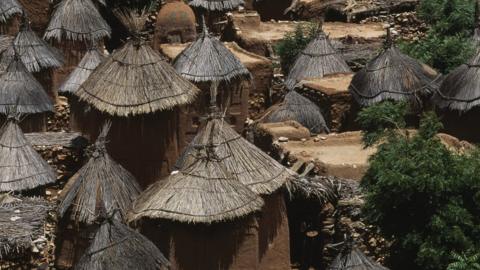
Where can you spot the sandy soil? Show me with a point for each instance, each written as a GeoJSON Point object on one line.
{"type": "Point", "coordinates": [330, 84]}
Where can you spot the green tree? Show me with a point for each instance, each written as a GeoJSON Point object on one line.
{"type": "Point", "coordinates": [465, 262]}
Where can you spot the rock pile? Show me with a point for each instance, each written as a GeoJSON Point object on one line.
{"type": "Point", "coordinates": [407, 25]}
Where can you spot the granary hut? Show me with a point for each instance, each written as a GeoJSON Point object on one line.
{"type": "Point", "coordinates": [116, 246]}
{"type": "Point", "coordinates": [393, 75]}
{"type": "Point", "coordinates": [21, 92]}
{"type": "Point", "coordinates": [9, 14]}
{"type": "Point", "coordinates": [176, 23]}
{"type": "Point", "coordinates": [22, 220]}
{"type": "Point", "coordinates": [261, 174]}
{"type": "Point", "coordinates": [141, 93]}
{"type": "Point", "coordinates": [205, 214]}
{"type": "Point", "coordinates": [351, 258]}
{"type": "Point", "coordinates": [318, 59]}
{"type": "Point", "coordinates": [100, 182]}
{"type": "Point", "coordinates": [298, 108]}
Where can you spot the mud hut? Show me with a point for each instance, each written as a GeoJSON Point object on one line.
{"type": "Point", "coordinates": [22, 220]}
{"type": "Point", "coordinates": [141, 93]}
{"type": "Point", "coordinates": [116, 246]}
{"type": "Point", "coordinates": [176, 23]}
{"type": "Point", "coordinates": [216, 5]}
{"type": "Point", "coordinates": [300, 109]}
{"type": "Point", "coordinates": [206, 215]}
{"type": "Point", "coordinates": [260, 173]}
{"type": "Point", "coordinates": [21, 92]}
{"type": "Point", "coordinates": [100, 182]}
{"type": "Point", "coordinates": [318, 59]}
{"type": "Point", "coordinates": [351, 258]}
{"type": "Point", "coordinates": [9, 14]}
{"type": "Point", "coordinates": [393, 75]}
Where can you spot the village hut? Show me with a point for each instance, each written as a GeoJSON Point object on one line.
{"type": "Point", "coordinates": [176, 23]}
{"type": "Point", "coordinates": [393, 75]}
{"type": "Point", "coordinates": [9, 13]}
{"type": "Point", "coordinates": [260, 173]}
{"type": "Point", "coordinates": [21, 92]}
{"type": "Point", "coordinates": [318, 59]}
{"type": "Point", "coordinates": [22, 220]}
{"type": "Point", "coordinates": [116, 246]}
{"type": "Point", "coordinates": [298, 108]}
{"type": "Point", "coordinates": [205, 214]}
{"type": "Point", "coordinates": [351, 258]}
{"type": "Point", "coordinates": [141, 93]}
{"type": "Point", "coordinates": [216, 5]}
{"type": "Point", "coordinates": [100, 182]}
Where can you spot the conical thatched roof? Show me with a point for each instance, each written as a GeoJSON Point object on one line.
{"type": "Point", "coordinates": [350, 258]}
{"type": "Point", "coordinates": [21, 167]}
{"type": "Point", "coordinates": [250, 165]}
{"type": "Point", "coordinates": [36, 54]}
{"type": "Point", "coordinates": [8, 8]}
{"type": "Point", "coordinates": [460, 90]}
{"type": "Point", "coordinates": [318, 59]}
{"type": "Point", "coordinates": [5, 42]}
{"type": "Point", "coordinates": [77, 20]}
{"type": "Point", "coordinates": [393, 75]}
{"type": "Point", "coordinates": [136, 80]}
{"type": "Point", "coordinates": [118, 247]}
{"type": "Point", "coordinates": [22, 220]}
{"type": "Point", "coordinates": [299, 108]}
{"type": "Point", "coordinates": [203, 191]}
{"type": "Point", "coordinates": [216, 5]}
{"type": "Point", "coordinates": [101, 181]}
{"type": "Point", "coordinates": [20, 91]}
{"type": "Point", "coordinates": [207, 60]}
{"type": "Point", "coordinates": [79, 75]}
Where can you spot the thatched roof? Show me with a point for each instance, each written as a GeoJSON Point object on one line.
{"type": "Point", "coordinates": [207, 60]}
{"type": "Point", "coordinates": [203, 191]}
{"type": "Point", "coordinates": [460, 90]}
{"type": "Point", "coordinates": [20, 91]}
{"type": "Point", "coordinates": [254, 168]}
{"type": "Point", "coordinates": [101, 181]}
{"type": "Point", "coordinates": [136, 80]}
{"type": "Point", "coordinates": [8, 8]}
{"type": "Point", "coordinates": [216, 5]}
{"type": "Point", "coordinates": [299, 108]}
{"type": "Point", "coordinates": [350, 258]}
{"type": "Point", "coordinates": [36, 53]}
{"type": "Point", "coordinates": [318, 59]}
{"type": "Point", "coordinates": [5, 42]}
{"type": "Point", "coordinates": [21, 167]}
{"type": "Point", "coordinates": [80, 74]}
{"type": "Point", "coordinates": [22, 220]}
{"type": "Point", "coordinates": [77, 20]}
{"type": "Point", "coordinates": [116, 246]}
{"type": "Point", "coordinates": [393, 75]}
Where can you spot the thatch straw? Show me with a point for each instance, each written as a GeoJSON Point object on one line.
{"type": "Point", "coordinates": [21, 167]}
{"type": "Point", "coordinates": [216, 5]}
{"type": "Point", "coordinates": [207, 60]}
{"type": "Point", "coordinates": [460, 90]}
{"type": "Point", "coordinates": [250, 165]}
{"type": "Point", "coordinates": [116, 246]}
{"type": "Point", "coordinates": [321, 189]}
{"type": "Point", "coordinates": [20, 91]}
{"type": "Point", "coordinates": [80, 74]}
{"type": "Point", "coordinates": [77, 20]}
{"type": "Point", "coordinates": [203, 191]}
{"type": "Point", "coordinates": [36, 54]}
{"type": "Point", "coordinates": [317, 60]}
{"type": "Point", "coordinates": [6, 41]}
{"type": "Point", "coordinates": [350, 258]}
{"type": "Point", "coordinates": [136, 80]}
{"type": "Point", "coordinates": [299, 108]}
{"type": "Point", "coordinates": [8, 8]}
{"type": "Point", "coordinates": [393, 75]}
{"type": "Point", "coordinates": [22, 220]}
{"type": "Point", "coordinates": [101, 181]}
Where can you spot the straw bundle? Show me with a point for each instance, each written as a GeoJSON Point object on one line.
{"type": "Point", "coordinates": [250, 165]}
{"type": "Point", "coordinates": [118, 247]}
{"type": "Point", "coordinates": [20, 91]}
{"type": "Point", "coordinates": [350, 258]}
{"type": "Point", "coordinates": [8, 8]}
{"type": "Point", "coordinates": [317, 60]}
{"type": "Point", "coordinates": [208, 60]}
{"type": "Point", "coordinates": [77, 20]}
{"type": "Point", "coordinates": [460, 90]}
{"type": "Point", "coordinates": [5, 42]}
{"type": "Point", "coordinates": [216, 5]}
{"type": "Point", "coordinates": [22, 220]}
{"type": "Point", "coordinates": [322, 189]}
{"type": "Point", "coordinates": [136, 80]}
{"type": "Point", "coordinates": [392, 76]}
{"type": "Point", "coordinates": [80, 74]}
{"type": "Point", "coordinates": [299, 108]}
{"type": "Point", "coordinates": [101, 181]}
{"type": "Point", "coordinates": [35, 53]}
{"type": "Point", "coordinates": [21, 167]}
